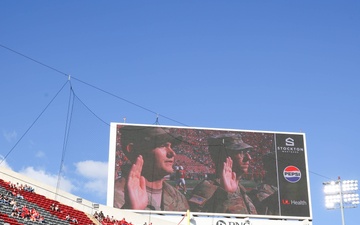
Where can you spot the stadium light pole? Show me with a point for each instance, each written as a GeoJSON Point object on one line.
{"type": "Point", "coordinates": [341, 194]}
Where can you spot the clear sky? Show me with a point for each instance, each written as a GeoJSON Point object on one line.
{"type": "Point", "coordinates": [289, 66]}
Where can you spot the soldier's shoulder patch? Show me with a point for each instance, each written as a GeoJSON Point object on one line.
{"type": "Point", "coordinates": [196, 199]}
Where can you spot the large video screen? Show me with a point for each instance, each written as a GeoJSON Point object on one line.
{"type": "Point", "coordinates": [208, 171]}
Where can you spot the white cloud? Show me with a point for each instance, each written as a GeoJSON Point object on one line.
{"type": "Point", "coordinates": [3, 163]}
{"type": "Point", "coordinates": [49, 179]}
{"type": "Point", "coordinates": [92, 169]}
{"type": "Point", "coordinates": [98, 187]}
{"type": "Point", "coordinates": [96, 174]}
{"type": "Point", "coordinates": [10, 136]}
{"type": "Point", "coordinates": [92, 177]}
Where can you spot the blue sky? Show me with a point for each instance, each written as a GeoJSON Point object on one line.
{"type": "Point", "coordinates": [289, 66]}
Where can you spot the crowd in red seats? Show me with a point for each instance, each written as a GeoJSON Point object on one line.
{"type": "Point", "coordinates": [56, 208]}
{"type": "Point", "coordinates": [23, 212]}
{"type": "Point", "coordinates": [193, 153]}
{"type": "Point", "coordinates": [31, 214]}
{"type": "Point", "coordinates": [20, 187]}
{"type": "Point", "coordinates": [27, 214]}
{"type": "Point", "coordinates": [107, 220]}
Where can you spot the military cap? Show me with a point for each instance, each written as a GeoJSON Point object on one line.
{"type": "Point", "coordinates": [229, 141]}
{"type": "Point", "coordinates": [145, 138]}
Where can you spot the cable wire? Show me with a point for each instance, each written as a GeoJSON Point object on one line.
{"type": "Point", "coordinates": [130, 102]}
{"type": "Point", "coordinates": [66, 136]}
{"type": "Point", "coordinates": [99, 89]}
{"type": "Point", "coordinates": [33, 123]}
{"type": "Point", "coordinates": [104, 91]}
{"type": "Point", "coordinates": [91, 111]}
{"type": "Point", "coordinates": [34, 60]}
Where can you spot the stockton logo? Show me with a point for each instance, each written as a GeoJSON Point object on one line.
{"type": "Point", "coordinates": [292, 174]}
{"type": "Point", "coordinates": [290, 146]}
{"type": "Point", "coordinates": [289, 142]}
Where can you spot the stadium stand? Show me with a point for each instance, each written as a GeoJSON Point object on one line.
{"type": "Point", "coordinates": [35, 201]}
{"type": "Point", "coordinates": [197, 166]}
{"type": "Point", "coordinates": [45, 195]}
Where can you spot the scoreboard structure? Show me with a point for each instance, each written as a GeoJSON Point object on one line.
{"type": "Point", "coordinates": [275, 184]}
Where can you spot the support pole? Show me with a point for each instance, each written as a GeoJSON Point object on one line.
{"type": "Point", "coordinates": [341, 202]}
{"type": "Point", "coordinates": [188, 216]}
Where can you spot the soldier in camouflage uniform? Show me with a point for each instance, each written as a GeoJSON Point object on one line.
{"type": "Point", "coordinates": [143, 187]}
{"type": "Point", "coordinates": [225, 194]}
{"type": "Point", "coordinates": [265, 195]}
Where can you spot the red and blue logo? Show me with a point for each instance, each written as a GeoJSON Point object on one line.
{"type": "Point", "coordinates": [292, 174]}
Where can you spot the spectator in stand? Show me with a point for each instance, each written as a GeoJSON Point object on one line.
{"type": "Point", "coordinates": [123, 222]}
{"type": "Point", "coordinates": [18, 195]}
{"type": "Point", "coordinates": [74, 220]}
{"type": "Point", "coordinates": [144, 187]}
{"type": "Point", "coordinates": [25, 212]}
{"type": "Point", "coordinates": [57, 208]}
{"type": "Point", "coordinates": [101, 215]}
{"type": "Point", "coordinates": [225, 194]}
{"type": "Point", "coordinates": [34, 215]}
{"type": "Point", "coordinates": [15, 212]}
{"type": "Point", "coordinates": [2, 199]}
{"type": "Point", "coordinates": [28, 188]}
{"type": "Point", "coordinates": [12, 193]}
{"type": "Point", "coordinates": [12, 202]}
{"type": "Point", "coordinates": [96, 215]}
{"type": "Point", "coordinates": [5, 200]}
{"type": "Point", "coordinates": [112, 219]}
{"type": "Point", "coordinates": [42, 219]}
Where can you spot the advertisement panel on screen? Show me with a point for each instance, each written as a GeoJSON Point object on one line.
{"type": "Point", "coordinates": [171, 169]}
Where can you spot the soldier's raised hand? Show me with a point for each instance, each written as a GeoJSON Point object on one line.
{"type": "Point", "coordinates": [228, 179]}
{"type": "Point", "coordinates": [136, 195]}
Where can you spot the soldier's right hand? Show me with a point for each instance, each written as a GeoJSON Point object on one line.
{"type": "Point", "coordinates": [228, 179]}
{"type": "Point", "coordinates": [136, 186]}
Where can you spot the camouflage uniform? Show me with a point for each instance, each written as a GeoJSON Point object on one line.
{"type": "Point", "coordinates": [265, 199]}
{"type": "Point", "coordinates": [208, 196]}
{"type": "Point", "coordinates": [265, 196]}
{"type": "Point", "coordinates": [172, 199]}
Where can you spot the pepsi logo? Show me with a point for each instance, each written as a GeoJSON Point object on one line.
{"type": "Point", "coordinates": [292, 174]}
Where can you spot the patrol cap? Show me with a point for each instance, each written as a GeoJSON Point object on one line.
{"type": "Point", "coordinates": [232, 142]}
{"type": "Point", "coordinates": [146, 138]}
